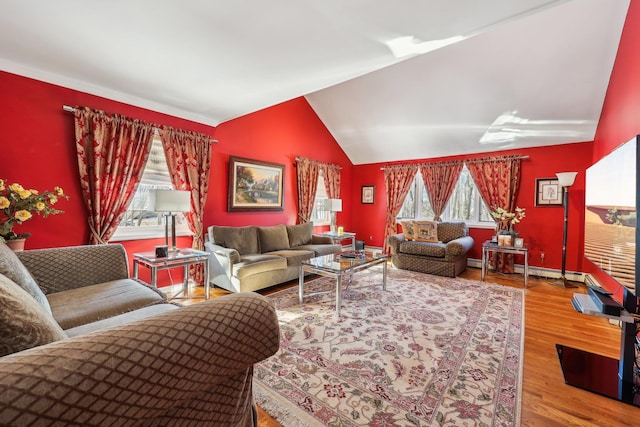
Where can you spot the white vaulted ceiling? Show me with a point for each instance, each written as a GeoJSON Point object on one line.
{"type": "Point", "coordinates": [479, 76]}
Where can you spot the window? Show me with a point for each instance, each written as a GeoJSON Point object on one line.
{"type": "Point", "coordinates": [319, 216]}
{"type": "Point", "coordinates": [140, 221]}
{"type": "Point", "coordinates": [465, 203]}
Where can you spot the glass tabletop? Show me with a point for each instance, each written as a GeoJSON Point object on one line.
{"type": "Point", "coordinates": [180, 254]}
{"type": "Point", "coordinates": [343, 261]}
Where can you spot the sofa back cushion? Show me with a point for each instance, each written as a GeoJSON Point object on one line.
{"type": "Point", "coordinates": [242, 239]}
{"type": "Point", "coordinates": [273, 238]}
{"type": "Point", "coordinates": [23, 321]}
{"type": "Point", "coordinates": [15, 270]}
{"type": "Point", "coordinates": [448, 231]}
{"type": "Point", "coordinates": [300, 234]}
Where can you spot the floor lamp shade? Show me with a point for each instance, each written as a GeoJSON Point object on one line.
{"type": "Point", "coordinates": [566, 179]}
{"type": "Point", "coordinates": [171, 201]}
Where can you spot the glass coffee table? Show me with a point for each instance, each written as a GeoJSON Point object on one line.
{"type": "Point", "coordinates": [340, 266]}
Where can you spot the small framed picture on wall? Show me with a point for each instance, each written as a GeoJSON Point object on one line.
{"type": "Point", "coordinates": [548, 192]}
{"type": "Point", "coordinates": [368, 194]}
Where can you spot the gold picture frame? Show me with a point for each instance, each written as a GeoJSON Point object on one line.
{"type": "Point", "coordinates": [368, 194]}
{"type": "Point", "coordinates": [255, 185]}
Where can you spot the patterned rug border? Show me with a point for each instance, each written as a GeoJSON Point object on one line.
{"type": "Point", "coordinates": [289, 415]}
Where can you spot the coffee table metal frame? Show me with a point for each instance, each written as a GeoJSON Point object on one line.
{"type": "Point", "coordinates": [339, 267]}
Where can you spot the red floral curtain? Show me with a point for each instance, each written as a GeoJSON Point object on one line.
{"type": "Point", "coordinates": [498, 181]}
{"type": "Point", "coordinates": [307, 175]}
{"type": "Point", "coordinates": [331, 175]}
{"type": "Point", "coordinates": [440, 180]}
{"type": "Point", "coordinates": [397, 180]}
{"type": "Point", "coordinates": [189, 161]}
{"type": "Point", "coordinates": [112, 151]}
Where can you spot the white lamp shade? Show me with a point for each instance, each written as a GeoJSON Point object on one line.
{"type": "Point", "coordinates": [172, 201]}
{"type": "Point", "coordinates": [333, 205]}
{"type": "Point", "coordinates": [566, 179]}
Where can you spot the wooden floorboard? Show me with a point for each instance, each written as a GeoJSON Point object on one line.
{"type": "Point", "coordinates": [549, 319]}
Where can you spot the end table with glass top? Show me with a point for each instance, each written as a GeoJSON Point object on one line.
{"type": "Point", "coordinates": [179, 258]}
{"type": "Point", "coordinates": [339, 237]}
{"type": "Point", "coordinates": [489, 246]}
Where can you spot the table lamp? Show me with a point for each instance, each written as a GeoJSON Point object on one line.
{"type": "Point", "coordinates": [172, 201]}
{"type": "Point", "coordinates": [333, 206]}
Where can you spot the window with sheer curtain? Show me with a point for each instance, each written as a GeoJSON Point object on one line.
{"type": "Point", "coordinates": [465, 203]}
{"type": "Point", "coordinates": [320, 216]}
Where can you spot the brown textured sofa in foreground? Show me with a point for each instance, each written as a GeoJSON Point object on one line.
{"type": "Point", "coordinates": [113, 351]}
{"type": "Point", "coordinates": [445, 257]}
{"type": "Point", "coordinates": [256, 257]}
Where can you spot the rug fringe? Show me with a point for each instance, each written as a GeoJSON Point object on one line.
{"type": "Point", "coordinates": [281, 409]}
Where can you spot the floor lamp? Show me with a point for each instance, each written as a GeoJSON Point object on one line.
{"type": "Point", "coordinates": [566, 180]}
{"type": "Point", "coordinates": [172, 201]}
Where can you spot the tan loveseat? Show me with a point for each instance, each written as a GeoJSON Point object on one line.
{"type": "Point", "coordinates": [445, 257]}
{"type": "Point", "coordinates": [82, 344]}
{"type": "Point", "coordinates": [254, 257]}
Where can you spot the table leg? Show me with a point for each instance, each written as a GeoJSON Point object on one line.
{"type": "Point", "coordinates": [526, 268]}
{"type": "Point", "coordinates": [300, 284]}
{"type": "Point", "coordinates": [185, 281]}
{"type": "Point", "coordinates": [338, 293]}
{"type": "Point", "coordinates": [484, 264]}
{"type": "Point", "coordinates": [135, 268]}
{"type": "Point", "coordinates": [206, 279]}
{"type": "Point", "coordinates": [154, 276]}
{"type": "Point", "coordinates": [353, 243]}
{"type": "Point", "coordinates": [384, 275]}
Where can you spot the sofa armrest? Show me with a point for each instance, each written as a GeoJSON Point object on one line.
{"type": "Point", "coordinates": [321, 240]}
{"type": "Point", "coordinates": [394, 242]}
{"type": "Point", "coordinates": [61, 269]}
{"type": "Point", "coordinates": [457, 247]}
{"type": "Point", "coordinates": [142, 372]}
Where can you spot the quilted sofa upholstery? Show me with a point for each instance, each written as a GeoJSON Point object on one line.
{"type": "Point", "coordinates": [255, 257]}
{"type": "Point", "coordinates": [446, 257]}
{"type": "Point", "coordinates": [115, 352]}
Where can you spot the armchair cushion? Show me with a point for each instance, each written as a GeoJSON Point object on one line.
{"type": "Point", "coordinates": [300, 234]}
{"type": "Point", "coordinates": [13, 268]}
{"type": "Point", "coordinates": [273, 238]}
{"type": "Point", "coordinates": [23, 322]}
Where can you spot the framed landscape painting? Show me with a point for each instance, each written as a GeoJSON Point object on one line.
{"type": "Point", "coordinates": [255, 185]}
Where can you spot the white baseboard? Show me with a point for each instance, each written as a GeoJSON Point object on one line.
{"type": "Point", "coordinates": [547, 273]}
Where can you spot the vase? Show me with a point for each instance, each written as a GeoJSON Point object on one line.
{"type": "Point", "coordinates": [16, 245]}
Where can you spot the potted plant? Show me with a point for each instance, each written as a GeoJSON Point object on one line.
{"type": "Point", "coordinates": [18, 205]}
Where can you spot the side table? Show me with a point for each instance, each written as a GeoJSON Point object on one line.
{"type": "Point", "coordinates": [339, 237]}
{"type": "Point", "coordinates": [182, 258]}
{"type": "Point", "coordinates": [494, 247]}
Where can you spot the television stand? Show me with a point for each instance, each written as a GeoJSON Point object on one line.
{"type": "Point", "coordinates": [614, 378]}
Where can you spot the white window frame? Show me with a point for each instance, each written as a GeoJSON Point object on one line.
{"type": "Point", "coordinates": [477, 200]}
{"type": "Point", "coordinates": [319, 215]}
{"type": "Point", "coordinates": [124, 233]}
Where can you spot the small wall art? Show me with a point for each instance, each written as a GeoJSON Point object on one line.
{"type": "Point", "coordinates": [548, 192]}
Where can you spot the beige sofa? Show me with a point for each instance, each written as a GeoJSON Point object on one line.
{"type": "Point", "coordinates": [445, 257]}
{"type": "Point", "coordinates": [254, 257]}
{"type": "Point", "coordinates": [82, 344]}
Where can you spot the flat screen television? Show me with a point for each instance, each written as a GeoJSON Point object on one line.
{"type": "Point", "coordinates": [610, 235]}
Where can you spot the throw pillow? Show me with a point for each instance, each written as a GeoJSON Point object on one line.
{"type": "Point", "coordinates": [300, 234]}
{"type": "Point", "coordinates": [23, 322]}
{"type": "Point", "coordinates": [273, 238]}
{"type": "Point", "coordinates": [425, 231]}
{"type": "Point", "coordinates": [407, 230]}
{"type": "Point", "coordinates": [15, 270]}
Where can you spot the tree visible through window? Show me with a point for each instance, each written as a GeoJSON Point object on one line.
{"type": "Point", "coordinates": [319, 216]}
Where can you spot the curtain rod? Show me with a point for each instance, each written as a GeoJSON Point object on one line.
{"type": "Point", "coordinates": [479, 159]}
{"type": "Point", "coordinates": [70, 109]}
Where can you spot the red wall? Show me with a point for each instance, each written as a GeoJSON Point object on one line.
{"type": "Point", "coordinates": [542, 228]}
{"type": "Point", "coordinates": [620, 118]}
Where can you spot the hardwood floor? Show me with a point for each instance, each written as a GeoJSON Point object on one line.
{"type": "Point", "coordinates": [549, 319]}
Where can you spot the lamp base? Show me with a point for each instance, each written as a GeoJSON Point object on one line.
{"type": "Point", "coordinates": [562, 282]}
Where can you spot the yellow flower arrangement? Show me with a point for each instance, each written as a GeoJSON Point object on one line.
{"type": "Point", "coordinates": [18, 205]}
{"type": "Point", "coordinates": [506, 219]}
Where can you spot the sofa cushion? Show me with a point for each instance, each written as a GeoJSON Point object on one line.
{"type": "Point", "coordinates": [300, 234]}
{"type": "Point", "coordinates": [13, 268]}
{"type": "Point", "coordinates": [407, 230]}
{"type": "Point", "coordinates": [435, 250]}
{"type": "Point", "coordinates": [254, 264]}
{"type": "Point", "coordinates": [24, 323]}
{"type": "Point", "coordinates": [273, 238]}
{"type": "Point", "coordinates": [88, 304]}
{"type": "Point", "coordinates": [448, 231]}
{"type": "Point", "coordinates": [121, 319]}
{"type": "Point", "coordinates": [242, 239]}
{"type": "Point", "coordinates": [294, 256]}
{"type": "Point", "coordinates": [425, 231]}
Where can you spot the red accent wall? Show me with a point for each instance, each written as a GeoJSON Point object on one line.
{"type": "Point", "coordinates": [620, 118]}
{"type": "Point", "coordinates": [542, 228]}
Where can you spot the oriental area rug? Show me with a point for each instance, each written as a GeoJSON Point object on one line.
{"type": "Point", "coordinates": [428, 351]}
